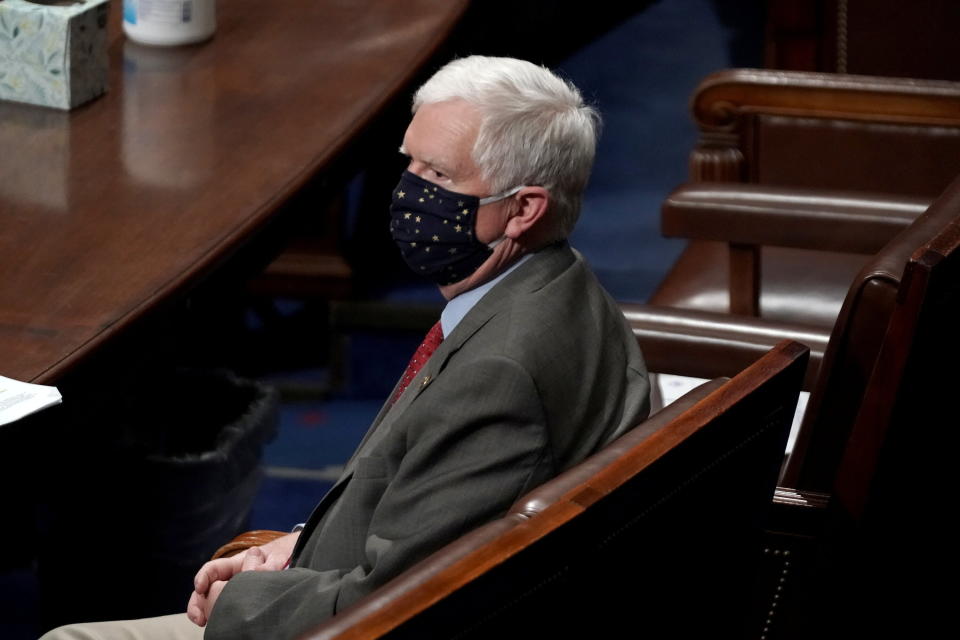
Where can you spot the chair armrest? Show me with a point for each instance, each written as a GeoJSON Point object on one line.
{"type": "Point", "coordinates": [246, 540]}
{"type": "Point", "coordinates": [712, 345]}
{"type": "Point", "coordinates": [723, 95]}
{"type": "Point", "coordinates": [847, 221]}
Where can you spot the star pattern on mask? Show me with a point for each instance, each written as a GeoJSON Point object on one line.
{"type": "Point", "coordinates": [435, 232]}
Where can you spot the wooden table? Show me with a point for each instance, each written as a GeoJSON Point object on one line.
{"type": "Point", "coordinates": [108, 210]}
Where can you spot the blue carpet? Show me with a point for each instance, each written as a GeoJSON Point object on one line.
{"type": "Point", "coordinates": [305, 459]}
{"type": "Point", "coordinates": [375, 361]}
{"type": "Point", "coordinates": [315, 435]}
{"type": "Point", "coordinates": [284, 502]}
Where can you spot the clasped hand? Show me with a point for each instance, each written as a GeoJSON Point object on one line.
{"type": "Point", "coordinates": [213, 576]}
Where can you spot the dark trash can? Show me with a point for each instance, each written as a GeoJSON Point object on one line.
{"type": "Point", "coordinates": [148, 508]}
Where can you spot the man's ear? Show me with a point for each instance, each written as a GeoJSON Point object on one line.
{"type": "Point", "coordinates": [531, 203]}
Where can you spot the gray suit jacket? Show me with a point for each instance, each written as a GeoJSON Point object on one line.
{"type": "Point", "coordinates": [539, 374]}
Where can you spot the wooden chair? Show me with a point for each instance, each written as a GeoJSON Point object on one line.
{"type": "Point", "coordinates": [666, 518]}
{"type": "Point", "coordinates": [891, 521]}
{"type": "Point", "coordinates": [705, 344]}
{"type": "Point", "coordinates": [872, 465]}
{"type": "Point", "coordinates": [912, 383]}
{"type": "Point", "coordinates": [817, 149]}
{"type": "Point", "coordinates": [868, 557]}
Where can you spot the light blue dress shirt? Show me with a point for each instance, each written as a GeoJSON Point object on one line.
{"type": "Point", "coordinates": [460, 306]}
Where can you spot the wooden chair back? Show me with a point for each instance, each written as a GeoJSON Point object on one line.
{"type": "Point", "coordinates": [660, 529]}
{"type": "Point", "coordinates": [807, 130]}
{"type": "Point", "coordinates": [909, 410]}
{"type": "Point", "coordinates": [868, 558]}
{"type": "Point", "coordinates": [856, 375]}
{"type": "Point", "coordinates": [894, 490]}
{"type": "Point", "coordinates": [830, 131]}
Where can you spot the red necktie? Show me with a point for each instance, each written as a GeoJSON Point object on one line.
{"type": "Point", "coordinates": [420, 356]}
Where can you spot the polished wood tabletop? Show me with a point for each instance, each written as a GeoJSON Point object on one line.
{"type": "Point", "coordinates": [111, 208]}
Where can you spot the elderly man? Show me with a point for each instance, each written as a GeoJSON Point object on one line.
{"type": "Point", "coordinates": [530, 369]}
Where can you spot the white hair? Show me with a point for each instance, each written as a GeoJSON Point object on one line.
{"type": "Point", "coordinates": [535, 128]}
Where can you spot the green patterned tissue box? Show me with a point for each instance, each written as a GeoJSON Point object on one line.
{"type": "Point", "coordinates": [53, 52]}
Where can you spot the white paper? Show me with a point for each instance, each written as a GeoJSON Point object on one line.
{"type": "Point", "coordinates": [672, 387]}
{"type": "Point", "coordinates": [20, 399]}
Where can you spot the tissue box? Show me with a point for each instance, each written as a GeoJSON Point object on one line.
{"type": "Point", "coordinates": [53, 54]}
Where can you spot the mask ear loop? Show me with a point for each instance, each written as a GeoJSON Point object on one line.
{"type": "Point", "coordinates": [505, 194]}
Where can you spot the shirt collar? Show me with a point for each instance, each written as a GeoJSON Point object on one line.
{"type": "Point", "coordinates": [457, 308]}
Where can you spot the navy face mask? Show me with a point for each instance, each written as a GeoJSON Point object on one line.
{"type": "Point", "coordinates": [435, 229]}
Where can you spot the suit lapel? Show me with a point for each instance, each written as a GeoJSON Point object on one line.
{"type": "Point", "coordinates": [530, 276]}
{"type": "Point", "coordinates": [389, 414]}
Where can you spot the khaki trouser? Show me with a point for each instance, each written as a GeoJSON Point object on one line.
{"type": "Point", "coordinates": [174, 627]}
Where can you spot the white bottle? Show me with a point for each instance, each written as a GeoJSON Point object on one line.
{"type": "Point", "coordinates": [169, 22]}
